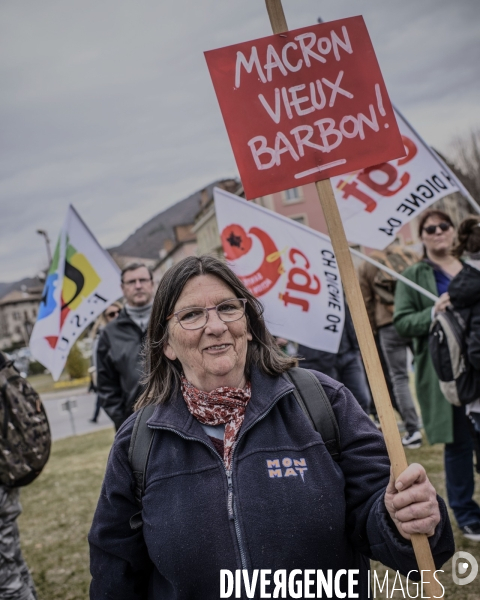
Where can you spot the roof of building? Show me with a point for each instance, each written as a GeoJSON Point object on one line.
{"type": "Point", "coordinates": [19, 296]}
{"type": "Point", "coordinates": [25, 283]}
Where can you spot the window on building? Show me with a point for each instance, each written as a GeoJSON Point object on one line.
{"type": "Point", "coordinates": [265, 201]}
{"type": "Point", "coordinates": [16, 315]}
{"type": "Point", "coordinates": [292, 195]}
{"type": "Point", "coordinates": [300, 219]}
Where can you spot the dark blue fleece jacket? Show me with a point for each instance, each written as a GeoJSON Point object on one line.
{"type": "Point", "coordinates": [285, 505]}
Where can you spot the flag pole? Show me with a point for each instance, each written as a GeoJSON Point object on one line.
{"type": "Point", "coordinates": [393, 273]}
{"type": "Point", "coordinates": [364, 333]}
{"type": "Point", "coordinates": [382, 267]}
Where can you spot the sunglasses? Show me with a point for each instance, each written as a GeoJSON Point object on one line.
{"type": "Point", "coordinates": [112, 315]}
{"type": "Point", "coordinates": [431, 229]}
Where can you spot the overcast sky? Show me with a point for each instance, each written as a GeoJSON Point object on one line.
{"type": "Point", "coordinates": [109, 105]}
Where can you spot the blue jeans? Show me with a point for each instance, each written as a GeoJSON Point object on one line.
{"type": "Point", "coordinates": [394, 349]}
{"type": "Point", "coordinates": [459, 471]}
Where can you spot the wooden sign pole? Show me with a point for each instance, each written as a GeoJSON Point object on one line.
{"type": "Point", "coordinates": [365, 337]}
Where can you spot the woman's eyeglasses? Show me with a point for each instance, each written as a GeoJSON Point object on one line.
{"type": "Point", "coordinates": [431, 229]}
{"type": "Point", "coordinates": [196, 317]}
{"type": "Point", "coordinates": [134, 281]}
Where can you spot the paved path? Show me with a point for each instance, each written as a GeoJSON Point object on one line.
{"type": "Point", "coordinates": [61, 419]}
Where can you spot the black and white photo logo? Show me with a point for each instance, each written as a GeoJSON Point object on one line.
{"type": "Point", "coordinates": [464, 568]}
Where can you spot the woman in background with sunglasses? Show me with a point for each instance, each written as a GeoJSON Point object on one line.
{"type": "Point", "coordinates": [414, 312]}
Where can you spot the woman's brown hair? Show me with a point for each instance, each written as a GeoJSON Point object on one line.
{"type": "Point", "coordinates": [162, 374]}
{"type": "Point", "coordinates": [468, 237]}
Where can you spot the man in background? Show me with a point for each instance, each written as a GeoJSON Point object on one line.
{"type": "Point", "coordinates": [119, 359]}
{"type": "Point", "coordinates": [15, 580]}
{"type": "Point", "coordinates": [378, 289]}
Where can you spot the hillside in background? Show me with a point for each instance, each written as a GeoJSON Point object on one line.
{"type": "Point", "coordinates": [28, 282]}
{"type": "Point", "coordinates": [148, 240]}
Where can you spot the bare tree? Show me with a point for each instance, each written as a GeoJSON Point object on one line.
{"type": "Point", "coordinates": [465, 156]}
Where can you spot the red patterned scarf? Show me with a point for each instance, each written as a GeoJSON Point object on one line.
{"type": "Point", "coordinates": [223, 405]}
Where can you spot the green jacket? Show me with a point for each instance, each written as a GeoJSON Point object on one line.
{"type": "Point", "coordinates": [412, 319]}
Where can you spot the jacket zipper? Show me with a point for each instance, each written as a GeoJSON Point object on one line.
{"type": "Point", "coordinates": [231, 505]}
{"type": "Point", "coordinates": [230, 498]}
{"type": "Point", "coordinates": [232, 514]}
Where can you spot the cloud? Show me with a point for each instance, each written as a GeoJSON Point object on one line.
{"type": "Point", "coordinates": [109, 105]}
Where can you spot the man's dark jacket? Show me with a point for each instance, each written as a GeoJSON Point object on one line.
{"type": "Point", "coordinates": [120, 367]}
{"type": "Point", "coordinates": [285, 504]}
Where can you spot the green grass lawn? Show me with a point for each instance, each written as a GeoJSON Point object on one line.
{"type": "Point", "coordinates": [57, 513]}
{"type": "Point", "coordinates": [44, 383]}
{"type": "Point", "coordinates": [58, 510]}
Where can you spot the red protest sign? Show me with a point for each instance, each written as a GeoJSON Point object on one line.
{"type": "Point", "coordinates": [304, 105]}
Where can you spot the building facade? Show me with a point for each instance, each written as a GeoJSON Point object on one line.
{"type": "Point", "coordinates": [184, 244]}
{"type": "Point", "coordinates": [300, 204]}
{"type": "Point", "coordinates": [206, 228]}
{"type": "Point", "coordinates": [18, 313]}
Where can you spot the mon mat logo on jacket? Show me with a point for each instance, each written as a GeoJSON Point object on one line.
{"type": "Point", "coordinates": [287, 467]}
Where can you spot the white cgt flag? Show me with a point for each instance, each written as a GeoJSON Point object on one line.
{"type": "Point", "coordinates": [82, 281]}
{"type": "Point", "coordinates": [376, 202]}
{"type": "Point", "coordinates": [290, 268]}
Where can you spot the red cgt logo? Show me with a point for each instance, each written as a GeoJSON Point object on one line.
{"type": "Point", "coordinates": [237, 243]}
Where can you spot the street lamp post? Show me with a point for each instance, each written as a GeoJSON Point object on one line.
{"type": "Point", "coordinates": [47, 243]}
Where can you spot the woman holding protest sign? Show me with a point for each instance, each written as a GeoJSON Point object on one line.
{"type": "Point", "coordinates": [414, 312]}
{"type": "Point", "coordinates": [237, 476]}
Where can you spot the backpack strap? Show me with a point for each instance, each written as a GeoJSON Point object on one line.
{"type": "Point", "coordinates": [314, 402]}
{"type": "Point", "coordinates": [138, 452]}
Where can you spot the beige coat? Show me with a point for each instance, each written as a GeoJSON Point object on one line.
{"type": "Point", "coordinates": [379, 313]}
